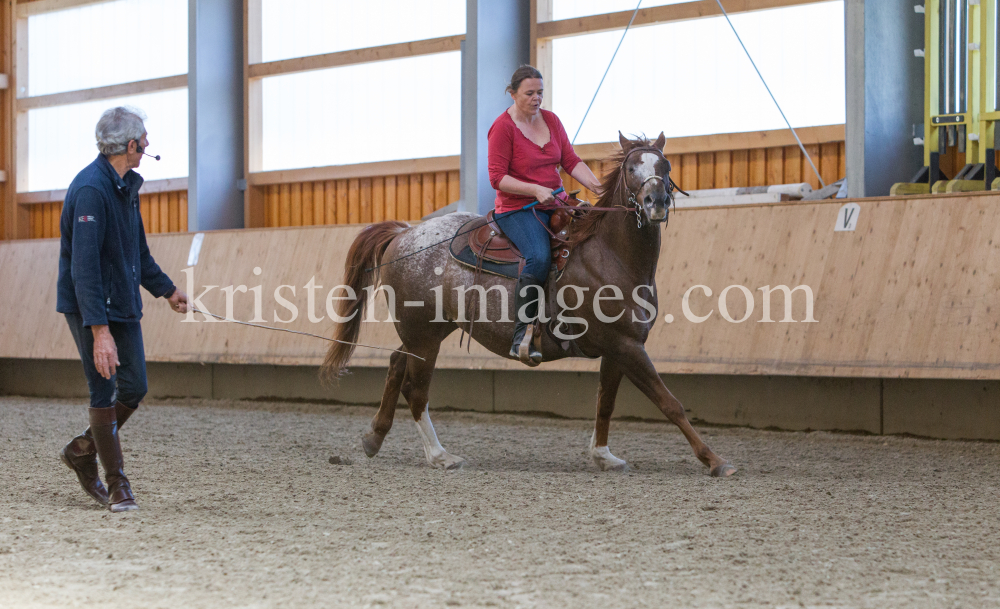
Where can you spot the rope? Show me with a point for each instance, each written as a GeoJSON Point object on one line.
{"type": "Point", "coordinates": [332, 340]}
{"type": "Point", "coordinates": [803, 148]}
{"type": "Point", "coordinates": [606, 70]}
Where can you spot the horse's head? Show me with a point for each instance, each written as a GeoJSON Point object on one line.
{"type": "Point", "coordinates": [646, 175]}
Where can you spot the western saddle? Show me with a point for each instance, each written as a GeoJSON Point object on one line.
{"type": "Point", "coordinates": [487, 244]}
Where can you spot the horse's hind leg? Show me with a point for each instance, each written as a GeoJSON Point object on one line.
{"type": "Point", "coordinates": [611, 377]}
{"type": "Point", "coordinates": [372, 441]}
{"type": "Point", "coordinates": [416, 389]}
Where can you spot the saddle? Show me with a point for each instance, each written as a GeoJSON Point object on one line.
{"type": "Point", "coordinates": [480, 244]}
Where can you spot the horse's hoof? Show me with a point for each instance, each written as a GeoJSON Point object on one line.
{"type": "Point", "coordinates": [371, 442]}
{"type": "Point", "coordinates": [447, 462]}
{"type": "Point", "coordinates": [606, 461]}
{"type": "Point", "coordinates": [723, 471]}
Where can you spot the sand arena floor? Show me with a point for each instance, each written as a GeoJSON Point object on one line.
{"type": "Point", "coordinates": [241, 508]}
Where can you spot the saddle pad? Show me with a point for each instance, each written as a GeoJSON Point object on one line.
{"type": "Point", "coordinates": [466, 257]}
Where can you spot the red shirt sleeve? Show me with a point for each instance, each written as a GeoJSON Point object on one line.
{"type": "Point", "coordinates": [501, 150]}
{"type": "Point", "coordinates": [569, 159]}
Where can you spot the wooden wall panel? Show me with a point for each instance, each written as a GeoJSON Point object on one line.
{"type": "Point", "coordinates": [307, 205]}
{"type": "Point", "coordinates": [390, 198]}
{"type": "Point", "coordinates": [342, 205]}
{"type": "Point", "coordinates": [295, 217]}
{"type": "Point", "coordinates": [365, 195]}
{"type": "Point", "coordinates": [406, 197]}
{"type": "Point", "coordinates": [162, 212]}
{"type": "Point", "coordinates": [888, 304]}
{"type": "Point", "coordinates": [415, 196]}
{"type": "Point", "coordinates": [353, 201]}
{"type": "Point", "coordinates": [741, 168]}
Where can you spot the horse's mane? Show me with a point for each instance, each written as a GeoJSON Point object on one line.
{"type": "Point", "coordinates": [586, 227]}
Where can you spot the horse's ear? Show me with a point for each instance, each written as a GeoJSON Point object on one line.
{"type": "Point", "coordinates": [626, 143]}
{"type": "Point", "coordinates": [660, 142]}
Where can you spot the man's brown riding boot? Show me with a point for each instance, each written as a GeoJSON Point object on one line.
{"type": "Point", "coordinates": [104, 429]}
{"type": "Point", "coordinates": [80, 455]}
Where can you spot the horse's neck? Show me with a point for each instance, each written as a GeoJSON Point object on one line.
{"type": "Point", "coordinates": [637, 247]}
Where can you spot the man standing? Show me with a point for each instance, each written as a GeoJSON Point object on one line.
{"type": "Point", "coordinates": [103, 260]}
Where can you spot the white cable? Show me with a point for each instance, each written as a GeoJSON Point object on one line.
{"type": "Point", "coordinates": [606, 72]}
{"type": "Point", "coordinates": [803, 148]}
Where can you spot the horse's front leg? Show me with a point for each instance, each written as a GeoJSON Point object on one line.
{"type": "Point", "coordinates": [636, 365]}
{"type": "Point", "coordinates": [611, 378]}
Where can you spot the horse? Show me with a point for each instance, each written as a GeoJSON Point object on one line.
{"type": "Point", "coordinates": [608, 249]}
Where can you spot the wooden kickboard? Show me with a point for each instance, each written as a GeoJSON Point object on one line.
{"type": "Point", "coordinates": [911, 292]}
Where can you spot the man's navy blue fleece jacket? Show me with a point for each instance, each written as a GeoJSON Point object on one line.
{"type": "Point", "coordinates": [103, 258]}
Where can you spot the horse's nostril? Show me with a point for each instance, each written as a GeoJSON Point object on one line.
{"type": "Point", "coordinates": [648, 200]}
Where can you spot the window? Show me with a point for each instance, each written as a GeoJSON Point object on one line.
{"type": "Point", "coordinates": [313, 27]}
{"type": "Point", "coordinates": [368, 111]}
{"type": "Point", "coordinates": [61, 138]}
{"type": "Point", "coordinates": [76, 49]}
{"type": "Point", "coordinates": [570, 9]}
{"type": "Point", "coordinates": [86, 47]}
{"type": "Point", "coordinates": [692, 77]}
{"type": "Point", "coordinates": [388, 110]}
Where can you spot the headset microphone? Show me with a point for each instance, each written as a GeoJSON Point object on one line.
{"type": "Point", "coordinates": [142, 150]}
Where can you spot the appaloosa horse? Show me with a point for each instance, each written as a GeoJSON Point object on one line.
{"type": "Point", "coordinates": [610, 249]}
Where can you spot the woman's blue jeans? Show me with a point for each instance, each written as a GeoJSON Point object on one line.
{"type": "Point", "coordinates": [531, 238]}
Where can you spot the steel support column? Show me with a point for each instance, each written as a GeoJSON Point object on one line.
{"type": "Point", "coordinates": [885, 94]}
{"type": "Point", "coordinates": [496, 43]}
{"type": "Point", "coordinates": [215, 102]}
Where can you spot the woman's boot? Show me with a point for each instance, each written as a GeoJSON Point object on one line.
{"type": "Point", "coordinates": [104, 429]}
{"type": "Point", "coordinates": [80, 455]}
{"type": "Point", "coordinates": [522, 346]}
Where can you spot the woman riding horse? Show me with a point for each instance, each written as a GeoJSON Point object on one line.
{"type": "Point", "coordinates": [526, 147]}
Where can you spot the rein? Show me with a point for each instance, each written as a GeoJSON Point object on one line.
{"type": "Point", "coordinates": [633, 204]}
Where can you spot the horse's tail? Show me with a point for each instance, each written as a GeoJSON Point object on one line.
{"type": "Point", "coordinates": [365, 253]}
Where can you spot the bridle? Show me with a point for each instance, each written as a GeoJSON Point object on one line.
{"type": "Point", "coordinates": [668, 184]}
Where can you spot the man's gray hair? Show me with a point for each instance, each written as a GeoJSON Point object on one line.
{"type": "Point", "coordinates": [117, 127]}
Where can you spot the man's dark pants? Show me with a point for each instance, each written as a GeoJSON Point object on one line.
{"type": "Point", "coordinates": [128, 384]}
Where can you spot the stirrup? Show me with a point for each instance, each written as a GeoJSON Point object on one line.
{"type": "Point", "coordinates": [524, 350]}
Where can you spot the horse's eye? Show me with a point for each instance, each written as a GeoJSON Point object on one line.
{"type": "Point", "coordinates": [631, 169]}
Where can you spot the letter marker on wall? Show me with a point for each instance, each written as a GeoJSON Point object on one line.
{"type": "Point", "coordinates": [847, 217]}
{"type": "Point", "coordinates": [195, 250]}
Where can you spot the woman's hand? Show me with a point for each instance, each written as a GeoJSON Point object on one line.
{"type": "Point", "coordinates": [544, 195]}
{"type": "Point", "coordinates": [105, 351]}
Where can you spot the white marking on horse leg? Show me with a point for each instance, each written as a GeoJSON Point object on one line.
{"type": "Point", "coordinates": [436, 455]}
{"type": "Point", "coordinates": [603, 458]}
